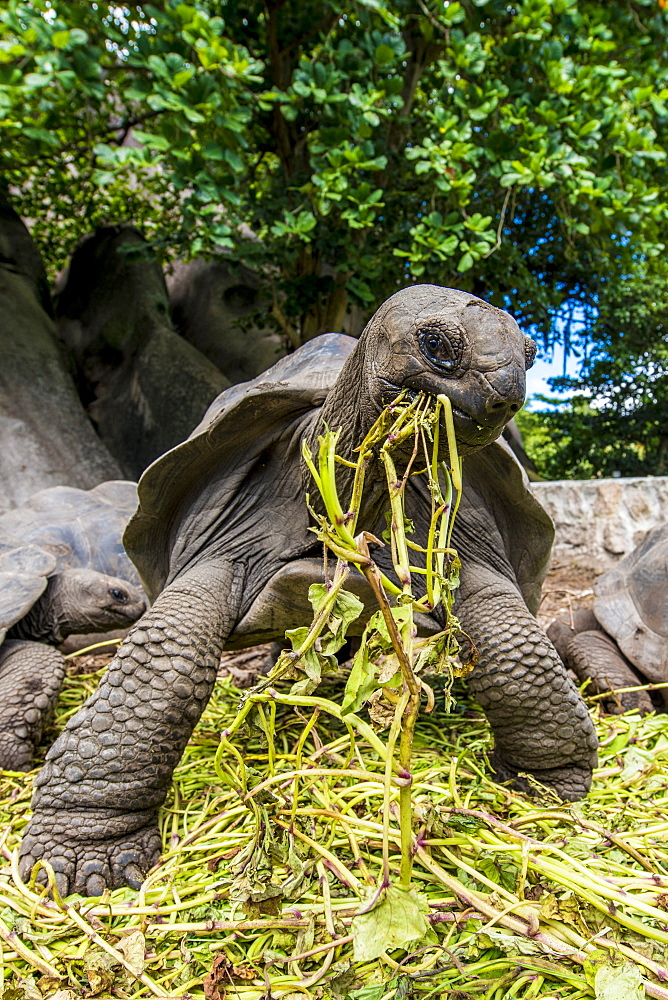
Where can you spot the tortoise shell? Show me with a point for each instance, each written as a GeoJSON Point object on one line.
{"type": "Point", "coordinates": [631, 603]}
{"type": "Point", "coordinates": [61, 528]}
{"type": "Point", "coordinates": [200, 488]}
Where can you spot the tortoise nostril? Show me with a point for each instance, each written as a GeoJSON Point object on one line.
{"type": "Point", "coordinates": [503, 408]}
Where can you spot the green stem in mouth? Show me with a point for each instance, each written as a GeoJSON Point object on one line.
{"type": "Point", "coordinates": [406, 441]}
{"type": "Point", "coordinates": [455, 465]}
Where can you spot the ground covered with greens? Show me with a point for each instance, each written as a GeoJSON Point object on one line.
{"type": "Point", "coordinates": [273, 847]}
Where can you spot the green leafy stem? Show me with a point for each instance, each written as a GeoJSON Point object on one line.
{"type": "Point", "coordinates": [409, 438]}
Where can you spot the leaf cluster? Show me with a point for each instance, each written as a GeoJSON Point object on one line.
{"type": "Point", "coordinates": [616, 422]}
{"type": "Point", "coordinates": [345, 149]}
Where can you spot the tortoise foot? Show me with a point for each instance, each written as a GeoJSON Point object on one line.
{"type": "Point", "coordinates": [31, 676]}
{"type": "Point", "coordinates": [16, 751]}
{"type": "Point", "coordinates": [571, 782]}
{"type": "Point", "coordinates": [595, 657]}
{"type": "Point", "coordinates": [91, 850]}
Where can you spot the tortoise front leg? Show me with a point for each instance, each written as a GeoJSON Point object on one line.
{"type": "Point", "coordinates": [540, 722]}
{"type": "Point", "coordinates": [31, 675]}
{"type": "Point", "coordinates": [594, 656]}
{"type": "Point", "coordinates": [97, 797]}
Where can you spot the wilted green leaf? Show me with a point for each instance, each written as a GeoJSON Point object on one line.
{"type": "Point", "coordinates": [372, 992]}
{"type": "Point", "coordinates": [133, 947]}
{"type": "Point", "coordinates": [397, 920]}
{"type": "Point", "coordinates": [635, 762]}
{"type": "Point", "coordinates": [347, 609]}
{"type": "Point", "coordinates": [619, 982]}
{"type": "Point", "coordinates": [375, 643]}
{"type": "Point", "coordinates": [100, 973]}
{"type": "Point", "coordinates": [361, 680]}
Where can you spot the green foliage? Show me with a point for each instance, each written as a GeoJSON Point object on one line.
{"type": "Point", "coordinates": [376, 644]}
{"type": "Point", "coordinates": [398, 919]}
{"type": "Point", "coordinates": [618, 420]}
{"type": "Point", "coordinates": [510, 150]}
{"type": "Point", "coordinates": [613, 980]}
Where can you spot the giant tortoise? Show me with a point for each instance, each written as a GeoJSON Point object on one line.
{"type": "Point", "coordinates": [222, 542]}
{"type": "Point", "coordinates": [213, 306]}
{"type": "Point", "coordinates": [45, 437]}
{"type": "Point", "coordinates": [62, 571]}
{"type": "Point", "coordinates": [623, 641]}
{"type": "Point", "coordinates": [143, 385]}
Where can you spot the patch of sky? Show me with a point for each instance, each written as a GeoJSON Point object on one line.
{"type": "Point", "coordinates": [563, 358]}
{"type": "Point", "coordinates": [548, 367]}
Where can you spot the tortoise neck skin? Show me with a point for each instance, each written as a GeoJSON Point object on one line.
{"type": "Point", "coordinates": [351, 406]}
{"type": "Point", "coordinates": [77, 601]}
{"type": "Point", "coordinates": [436, 340]}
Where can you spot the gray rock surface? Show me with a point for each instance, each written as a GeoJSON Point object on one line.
{"type": "Point", "coordinates": [598, 521]}
{"type": "Point", "coordinates": [144, 387]}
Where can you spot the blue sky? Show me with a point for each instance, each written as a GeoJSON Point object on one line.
{"type": "Point", "coordinates": [544, 369]}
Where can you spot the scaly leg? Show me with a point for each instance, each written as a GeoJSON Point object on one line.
{"type": "Point", "coordinates": [540, 722]}
{"type": "Point", "coordinates": [595, 656]}
{"type": "Point", "coordinates": [31, 676]}
{"type": "Point", "coordinates": [97, 797]}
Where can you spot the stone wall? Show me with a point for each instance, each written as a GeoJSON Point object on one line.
{"type": "Point", "coordinates": [599, 520]}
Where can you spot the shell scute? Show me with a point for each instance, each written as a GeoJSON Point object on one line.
{"type": "Point", "coordinates": [631, 603]}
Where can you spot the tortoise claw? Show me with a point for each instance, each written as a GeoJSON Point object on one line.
{"type": "Point", "coordinates": [99, 858]}
{"type": "Point", "coordinates": [571, 783]}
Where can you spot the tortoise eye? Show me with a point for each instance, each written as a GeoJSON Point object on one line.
{"type": "Point", "coordinates": [440, 348]}
{"type": "Point", "coordinates": [118, 595]}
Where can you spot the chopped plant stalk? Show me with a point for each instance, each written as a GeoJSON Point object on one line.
{"type": "Point", "coordinates": [400, 426]}
{"type": "Point", "coordinates": [525, 899]}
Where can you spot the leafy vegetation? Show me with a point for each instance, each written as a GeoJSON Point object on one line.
{"type": "Point", "coordinates": [524, 898]}
{"type": "Point", "coordinates": [345, 148]}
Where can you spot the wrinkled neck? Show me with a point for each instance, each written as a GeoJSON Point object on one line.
{"type": "Point", "coordinates": [350, 406]}
{"type": "Point", "coordinates": [46, 620]}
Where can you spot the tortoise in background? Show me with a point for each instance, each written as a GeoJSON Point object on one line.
{"type": "Point", "coordinates": [46, 439]}
{"type": "Point", "coordinates": [222, 541]}
{"type": "Point", "coordinates": [143, 386]}
{"type": "Point", "coordinates": [62, 571]}
{"type": "Point", "coordinates": [623, 641]}
{"type": "Point", "coordinates": [215, 306]}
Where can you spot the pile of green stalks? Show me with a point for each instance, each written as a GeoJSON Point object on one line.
{"type": "Point", "coordinates": [525, 897]}
{"type": "Point", "coordinates": [339, 834]}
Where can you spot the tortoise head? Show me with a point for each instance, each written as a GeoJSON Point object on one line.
{"type": "Point", "coordinates": [443, 341]}
{"type": "Point", "coordinates": [83, 600]}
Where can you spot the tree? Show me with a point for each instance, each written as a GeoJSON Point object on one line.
{"type": "Point", "coordinates": [617, 421]}
{"type": "Point", "coordinates": [345, 149]}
